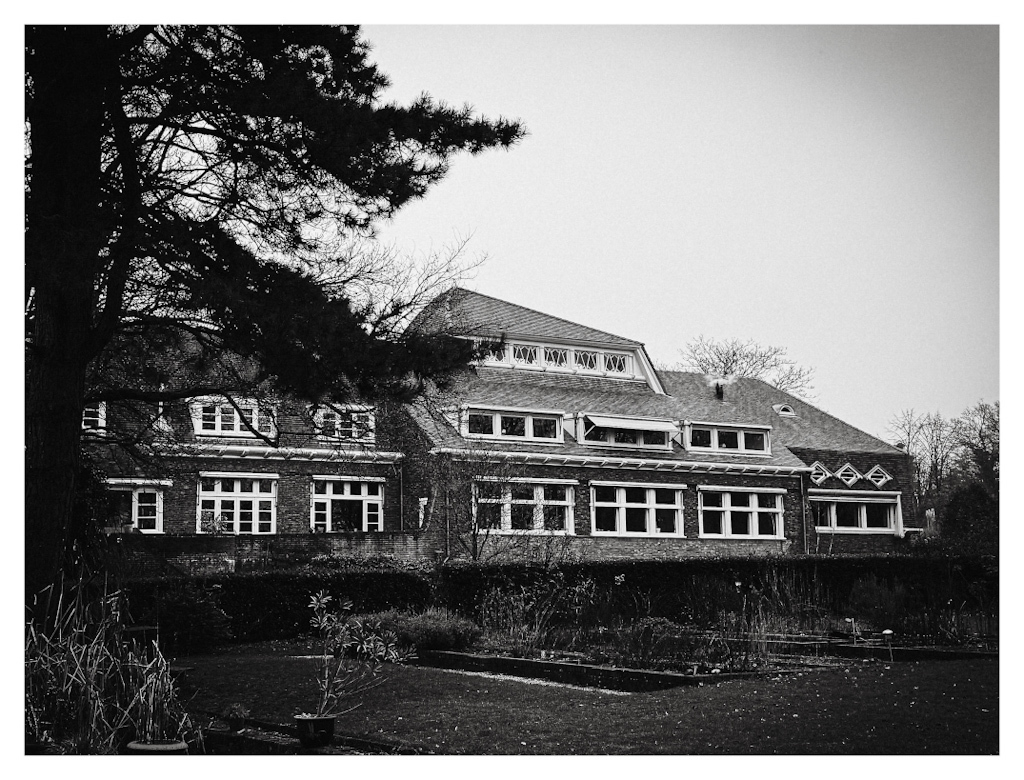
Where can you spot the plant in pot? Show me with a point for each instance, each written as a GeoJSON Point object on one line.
{"type": "Point", "coordinates": [351, 653]}
{"type": "Point", "coordinates": [234, 715]}
{"type": "Point", "coordinates": [154, 714]}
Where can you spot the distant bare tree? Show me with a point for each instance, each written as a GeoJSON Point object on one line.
{"type": "Point", "coordinates": [735, 358]}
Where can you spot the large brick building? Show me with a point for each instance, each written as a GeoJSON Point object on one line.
{"type": "Point", "coordinates": [565, 440]}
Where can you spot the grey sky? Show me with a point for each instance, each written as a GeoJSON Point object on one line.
{"type": "Point", "coordinates": [833, 190]}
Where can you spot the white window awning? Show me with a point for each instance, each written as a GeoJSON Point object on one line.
{"type": "Point", "coordinates": [631, 424]}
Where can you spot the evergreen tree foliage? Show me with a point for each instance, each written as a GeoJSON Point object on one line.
{"type": "Point", "coordinates": [193, 192]}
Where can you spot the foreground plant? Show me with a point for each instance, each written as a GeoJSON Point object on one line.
{"type": "Point", "coordinates": [352, 652]}
{"type": "Point", "coordinates": [90, 688]}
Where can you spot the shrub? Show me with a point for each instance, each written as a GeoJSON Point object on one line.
{"type": "Point", "coordinates": [433, 629]}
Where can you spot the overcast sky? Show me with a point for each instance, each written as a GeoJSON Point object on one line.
{"type": "Point", "coordinates": [833, 190]}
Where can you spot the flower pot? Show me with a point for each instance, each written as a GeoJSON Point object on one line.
{"type": "Point", "coordinates": [314, 730]}
{"type": "Point", "coordinates": [158, 747]}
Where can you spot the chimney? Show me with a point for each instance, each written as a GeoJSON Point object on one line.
{"type": "Point", "coordinates": [719, 391]}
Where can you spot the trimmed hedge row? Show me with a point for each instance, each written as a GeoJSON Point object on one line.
{"type": "Point", "coordinates": [274, 604]}
{"type": "Point", "coordinates": [194, 613]}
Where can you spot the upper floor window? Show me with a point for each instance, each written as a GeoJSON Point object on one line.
{"type": "Point", "coordinates": [726, 439]}
{"type": "Point", "coordinates": [626, 432]}
{"type": "Point", "coordinates": [217, 416]}
{"type": "Point", "coordinates": [526, 426]}
{"type": "Point", "coordinates": [345, 423]}
{"type": "Point", "coordinates": [552, 357]}
{"type": "Point", "coordinates": [94, 417]}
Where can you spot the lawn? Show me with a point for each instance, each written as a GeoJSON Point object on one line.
{"type": "Point", "coordinates": [929, 707]}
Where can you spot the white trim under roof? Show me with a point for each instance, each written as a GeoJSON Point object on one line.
{"type": "Point", "coordinates": [859, 493]}
{"type": "Point", "coordinates": [633, 423]}
{"type": "Point", "coordinates": [138, 482]}
{"type": "Point", "coordinates": [739, 489]}
{"type": "Point", "coordinates": [706, 424]}
{"type": "Point", "coordinates": [655, 485]}
{"type": "Point", "coordinates": [602, 461]}
{"type": "Point", "coordinates": [347, 478]}
{"type": "Point", "coordinates": [545, 480]}
{"type": "Point", "coordinates": [250, 452]}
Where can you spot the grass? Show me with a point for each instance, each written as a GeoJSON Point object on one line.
{"type": "Point", "coordinates": [930, 707]}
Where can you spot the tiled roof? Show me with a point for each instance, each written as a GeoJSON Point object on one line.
{"type": "Point", "coordinates": [690, 397]}
{"type": "Point", "coordinates": [469, 313]}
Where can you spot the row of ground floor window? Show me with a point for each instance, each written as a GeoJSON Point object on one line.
{"type": "Point", "coordinates": [250, 503]}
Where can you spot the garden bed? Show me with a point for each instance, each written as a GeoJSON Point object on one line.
{"type": "Point", "coordinates": [575, 672]}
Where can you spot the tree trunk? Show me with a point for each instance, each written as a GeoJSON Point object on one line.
{"type": "Point", "coordinates": [65, 66]}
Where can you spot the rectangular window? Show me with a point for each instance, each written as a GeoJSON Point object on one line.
{"type": "Point", "coordinates": [633, 510]}
{"type": "Point", "coordinates": [734, 440]}
{"type": "Point", "coordinates": [219, 417]}
{"type": "Point", "coordinates": [345, 424]}
{"type": "Point", "coordinates": [852, 516]}
{"type": "Point", "coordinates": [141, 508]}
{"type": "Point", "coordinates": [624, 436]}
{"type": "Point", "coordinates": [524, 507]}
{"type": "Point", "coordinates": [740, 514]}
{"type": "Point", "coordinates": [523, 426]}
{"type": "Point", "coordinates": [237, 504]}
{"type": "Point", "coordinates": [94, 417]}
{"type": "Point", "coordinates": [346, 504]}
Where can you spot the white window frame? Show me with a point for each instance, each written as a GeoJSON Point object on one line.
{"type": "Point", "coordinates": [583, 426]}
{"type": "Point", "coordinates": [779, 510]}
{"type": "Point", "coordinates": [538, 502]}
{"type": "Point", "coordinates": [529, 414]}
{"type": "Point", "coordinates": [136, 486]}
{"type": "Point", "coordinates": [740, 430]}
{"type": "Point", "coordinates": [566, 359]}
{"type": "Point", "coordinates": [372, 510]}
{"type": "Point", "coordinates": [650, 505]}
{"type": "Point", "coordinates": [819, 473]}
{"type": "Point", "coordinates": [878, 476]}
{"type": "Point", "coordinates": [339, 411]}
{"type": "Point", "coordinates": [95, 411]}
{"type": "Point", "coordinates": [217, 496]}
{"type": "Point", "coordinates": [860, 498]}
{"type": "Point", "coordinates": [848, 474]}
{"type": "Point", "coordinates": [264, 420]}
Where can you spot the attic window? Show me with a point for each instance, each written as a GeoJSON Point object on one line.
{"type": "Point", "coordinates": [848, 474]}
{"type": "Point", "coordinates": [878, 476]}
{"type": "Point", "coordinates": [523, 353]}
{"type": "Point", "coordinates": [556, 357]}
{"type": "Point", "coordinates": [819, 473]}
{"type": "Point", "coordinates": [585, 360]}
{"type": "Point", "coordinates": [784, 410]}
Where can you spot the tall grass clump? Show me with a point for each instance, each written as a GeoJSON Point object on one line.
{"type": "Point", "coordinates": [90, 689]}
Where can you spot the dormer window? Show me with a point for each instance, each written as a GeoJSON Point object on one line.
{"type": "Point", "coordinates": [556, 357]}
{"type": "Point", "coordinates": [94, 417]}
{"type": "Point", "coordinates": [524, 354]}
{"type": "Point", "coordinates": [513, 424]}
{"type": "Point", "coordinates": [626, 432]}
{"type": "Point", "coordinates": [585, 360]}
{"type": "Point", "coordinates": [216, 416]}
{"type": "Point", "coordinates": [615, 364]}
{"type": "Point", "coordinates": [345, 424]}
{"type": "Point", "coordinates": [784, 410]}
{"type": "Point", "coordinates": [740, 441]}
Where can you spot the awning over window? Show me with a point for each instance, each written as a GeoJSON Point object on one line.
{"type": "Point", "coordinates": [633, 425]}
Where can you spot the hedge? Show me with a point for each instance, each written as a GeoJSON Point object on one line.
{"type": "Point", "coordinates": [274, 604]}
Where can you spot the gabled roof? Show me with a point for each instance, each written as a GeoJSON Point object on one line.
{"type": "Point", "coordinates": [472, 313]}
